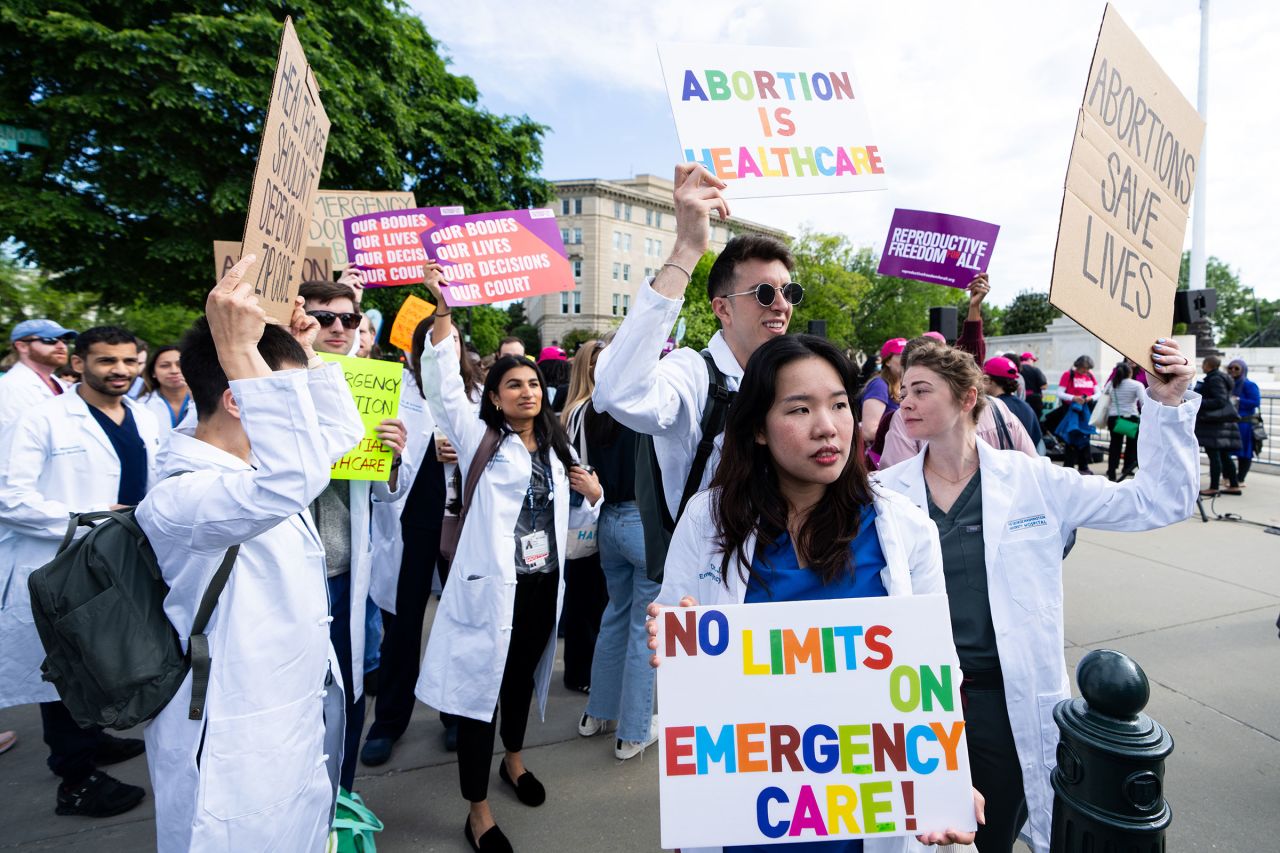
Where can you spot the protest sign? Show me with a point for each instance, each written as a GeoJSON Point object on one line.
{"type": "Point", "coordinates": [285, 178]}
{"type": "Point", "coordinates": [385, 249]}
{"type": "Point", "coordinates": [317, 262]}
{"type": "Point", "coordinates": [936, 247]}
{"type": "Point", "coordinates": [412, 312]}
{"type": "Point", "coordinates": [333, 206]}
{"type": "Point", "coordinates": [375, 386]}
{"type": "Point", "coordinates": [772, 121]}
{"type": "Point", "coordinates": [1126, 198]}
{"type": "Point", "coordinates": [493, 257]}
{"type": "Point", "coordinates": [810, 721]}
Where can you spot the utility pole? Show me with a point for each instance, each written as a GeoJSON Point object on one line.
{"type": "Point", "coordinates": [1198, 260]}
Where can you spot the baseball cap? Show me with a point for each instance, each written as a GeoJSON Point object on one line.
{"type": "Point", "coordinates": [1026, 356]}
{"type": "Point", "coordinates": [1001, 367]}
{"type": "Point", "coordinates": [893, 346]}
{"type": "Point", "coordinates": [937, 336]}
{"type": "Point", "coordinates": [39, 328]}
{"type": "Point", "coordinates": [551, 354]}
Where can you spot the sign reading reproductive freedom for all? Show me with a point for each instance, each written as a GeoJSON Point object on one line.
{"type": "Point", "coordinates": [384, 248]}
{"type": "Point", "coordinates": [1127, 197]}
{"type": "Point", "coordinates": [333, 206]}
{"type": "Point", "coordinates": [493, 257]}
{"type": "Point", "coordinates": [810, 721]}
{"type": "Point", "coordinates": [772, 121]}
{"type": "Point", "coordinates": [375, 386]}
{"type": "Point", "coordinates": [936, 247]}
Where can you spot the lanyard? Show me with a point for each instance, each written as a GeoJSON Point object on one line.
{"type": "Point", "coordinates": [544, 472]}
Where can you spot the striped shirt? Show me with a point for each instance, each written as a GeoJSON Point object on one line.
{"type": "Point", "coordinates": [1125, 398]}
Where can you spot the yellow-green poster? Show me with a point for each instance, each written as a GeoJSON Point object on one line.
{"type": "Point", "coordinates": [375, 386]}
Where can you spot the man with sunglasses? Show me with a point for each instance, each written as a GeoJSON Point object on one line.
{"type": "Point", "coordinates": [42, 347]}
{"type": "Point", "coordinates": [752, 295]}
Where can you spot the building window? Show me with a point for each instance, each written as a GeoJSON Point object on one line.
{"type": "Point", "coordinates": [616, 300]}
{"type": "Point", "coordinates": [648, 246]}
{"type": "Point", "coordinates": [626, 272]}
{"type": "Point", "coordinates": [626, 212]}
{"type": "Point", "coordinates": [617, 239]}
{"type": "Point", "coordinates": [626, 303]}
{"type": "Point", "coordinates": [617, 210]}
{"type": "Point", "coordinates": [564, 302]}
{"type": "Point", "coordinates": [626, 242]}
{"type": "Point", "coordinates": [617, 271]}
{"type": "Point", "coordinates": [657, 219]}
{"type": "Point", "coordinates": [564, 207]}
{"type": "Point", "coordinates": [648, 272]}
{"type": "Point", "coordinates": [577, 302]}
{"type": "Point", "coordinates": [564, 235]}
{"type": "Point", "coordinates": [577, 235]}
{"type": "Point", "coordinates": [577, 269]}
{"type": "Point", "coordinates": [577, 206]}
{"type": "Point", "coordinates": [657, 248]}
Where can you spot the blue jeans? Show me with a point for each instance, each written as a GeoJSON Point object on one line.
{"type": "Point", "coordinates": [621, 679]}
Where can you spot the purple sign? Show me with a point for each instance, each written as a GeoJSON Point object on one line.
{"type": "Point", "coordinates": [937, 248]}
{"type": "Point", "coordinates": [493, 257]}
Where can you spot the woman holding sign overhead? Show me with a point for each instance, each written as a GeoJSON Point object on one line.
{"type": "Point", "coordinates": [1003, 520]}
{"type": "Point", "coordinates": [493, 640]}
{"type": "Point", "coordinates": [804, 522]}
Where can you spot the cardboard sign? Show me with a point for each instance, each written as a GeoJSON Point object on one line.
{"type": "Point", "coordinates": [772, 121]}
{"type": "Point", "coordinates": [810, 721]}
{"type": "Point", "coordinates": [317, 263]}
{"type": "Point", "coordinates": [285, 179]}
{"type": "Point", "coordinates": [333, 206]}
{"type": "Point", "coordinates": [385, 249]}
{"type": "Point", "coordinates": [412, 312]}
{"type": "Point", "coordinates": [375, 385]}
{"type": "Point", "coordinates": [493, 257]}
{"type": "Point", "coordinates": [937, 248]}
{"type": "Point", "coordinates": [1127, 197]}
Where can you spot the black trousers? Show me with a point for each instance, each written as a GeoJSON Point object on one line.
{"type": "Point", "coordinates": [993, 761]}
{"type": "Point", "coordinates": [1221, 462]}
{"type": "Point", "coordinates": [531, 625]}
{"type": "Point", "coordinates": [70, 747]}
{"type": "Point", "coordinates": [340, 636]}
{"type": "Point", "coordinates": [1130, 443]}
{"type": "Point", "coordinates": [585, 598]}
{"type": "Point", "coordinates": [402, 630]}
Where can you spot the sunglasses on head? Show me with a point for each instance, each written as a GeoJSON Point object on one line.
{"type": "Point", "coordinates": [765, 293]}
{"type": "Point", "coordinates": [350, 319]}
{"type": "Point", "coordinates": [46, 341]}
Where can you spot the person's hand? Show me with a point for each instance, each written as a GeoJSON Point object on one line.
{"type": "Point", "coordinates": [236, 322]}
{"type": "Point", "coordinates": [352, 279]}
{"type": "Point", "coordinates": [392, 433]}
{"type": "Point", "coordinates": [955, 836]}
{"type": "Point", "coordinates": [433, 279]}
{"type": "Point", "coordinates": [978, 289]}
{"type": "Point", "coordinates": [697, 193]}
{"type": "Point", "coordinates": [445, 452]}
{"type": "Point", "coordinates": [655, 610]}
{"type": "Point", "coordinates": [1173, 369]}
{"type": "Point", "coordinates": [585, 483]}
{"type": "Point", "coordinates": [304, 327]}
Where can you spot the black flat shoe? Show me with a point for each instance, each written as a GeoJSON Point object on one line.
{"type": "Point", "coordinates": [528, 789]}
{"type": "Point", "coordinates": [493, 841]}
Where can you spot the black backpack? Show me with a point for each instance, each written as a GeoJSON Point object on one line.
{"type": "Point", "coordinates": [651, 498]}
{"type": "Point", "coordinates": [110, 650]}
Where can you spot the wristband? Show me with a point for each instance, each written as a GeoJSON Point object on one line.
{"type": "Point", "coordinates": [688, 274]}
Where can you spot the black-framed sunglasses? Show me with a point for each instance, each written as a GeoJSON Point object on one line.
{"type": "Point", "coordinates": [47, 341]}
{"type": "Point", "coordinates": [350, 319]}
{"type": "Point", "coordinates": [765, 293]}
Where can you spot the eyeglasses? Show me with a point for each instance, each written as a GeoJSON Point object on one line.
{"type": "Point", "coordinates": [46, 341]}
{"type": "Point", "coordinates": [350, 319]}
{"type": "Point", "coordinates": [765, 293]}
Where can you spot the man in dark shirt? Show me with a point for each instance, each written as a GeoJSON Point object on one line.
{"type": "Point", "coordinates": [1033, 379]}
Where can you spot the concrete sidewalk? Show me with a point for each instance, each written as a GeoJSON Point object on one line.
{"type": "Point", "coordinates": [1195, 604]}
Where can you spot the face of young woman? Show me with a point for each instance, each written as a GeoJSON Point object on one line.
{"type": "Point", "coordinates": [168, 372]}
{"type": "Point", "coordinates": [929, 408]}
{"type": "Point", "coordinates": [809, 428]}
{"type": "Point", "coordinates": [519, 394]}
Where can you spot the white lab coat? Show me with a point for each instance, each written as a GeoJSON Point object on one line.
{"type": "Point", "coordinates": [661, 397]}
{"type": "Point", "coordinates": [21, 389]}
{"type": "Point", "coordinates": [55, 461]}
{"type": "Point", "coordinates": [366, 499]}
{"type": "Point", "coordinates": [1029, 509]}
{"type": "Point", "coordinates": [159, 406]}
{"type": "Point", "coordinates": [467, 650]}
{"type": "Point", "coordinates": [252, 774]}
{"type": "Point", "coordinates": [913, 566]}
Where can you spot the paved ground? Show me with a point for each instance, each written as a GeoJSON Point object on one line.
{"type": "Point", "coordinates": [1195, 604]}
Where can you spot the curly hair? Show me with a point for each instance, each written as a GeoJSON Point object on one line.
{"type": "Point", "coordinates": [956, 367]}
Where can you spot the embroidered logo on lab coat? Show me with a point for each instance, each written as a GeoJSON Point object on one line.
{"type": "Point", "coordinates": [1027, 522]}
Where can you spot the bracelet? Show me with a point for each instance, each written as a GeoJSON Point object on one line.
{"type": "Point", "coordinates": [443, 313]}
{"type": "Point", "coordinates": [688, 274]}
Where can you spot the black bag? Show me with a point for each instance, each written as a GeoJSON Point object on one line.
{"type": "Point", "coordinates": [651, 498]}
{"type": "Point", "coordinates": [110, 650]}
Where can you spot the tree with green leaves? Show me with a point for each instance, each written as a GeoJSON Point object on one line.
{"type": "Point", "coordinates": [153, 111]}
{"type": "Point", "coordinates": [826, 266]}
{"type": "Point", "coordinates": [1239, 311]}
{"type": "Point", "coordinates": [700, 321]}
{"type": "Point", "coordinates": [1029, 313]}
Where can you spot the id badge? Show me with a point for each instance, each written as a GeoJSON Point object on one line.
{"type": "Point", "coordinates": [535, 548]}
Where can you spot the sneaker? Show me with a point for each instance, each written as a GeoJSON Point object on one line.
{"type": "Point", "coordinates": [624, 749]}
{"type": "Point", "coordinates": [590, 726]}
{"type": "Point", "coordinates": [98, 795]}
{"type": "Point", "coordinates": [113, 750]}
{"type": "Point", "coordinates": [7, 741]}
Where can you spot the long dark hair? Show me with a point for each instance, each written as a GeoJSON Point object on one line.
{"type": "Point", "coordinates": [546, 426]}
{"type": "Point", "coordinates": [746, 498]}
{"type": "Point", "coordinates": [149, 382]}
{"type": "Point", "coordinates": [470, 381]}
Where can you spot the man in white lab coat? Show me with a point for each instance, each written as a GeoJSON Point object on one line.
{"type": "Point", "coordinates": [42, 347]}
{"type": "Point", "coordinates": [258, 771]}
{"type": "Point", "coordinates": [88, 449]}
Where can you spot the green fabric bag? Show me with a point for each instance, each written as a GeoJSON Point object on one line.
{"type": "Point", "coordinates": [353, 826]}
{"type": "Point", "coordinates": [1126, 427]}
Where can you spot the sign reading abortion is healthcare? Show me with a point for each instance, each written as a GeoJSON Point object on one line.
{"type": "Point", "coordinates": [772, 121]}
{"type": "Point", "coordinates": [936, 247]}
{"type": "Point", "coordinates": [810, 721]}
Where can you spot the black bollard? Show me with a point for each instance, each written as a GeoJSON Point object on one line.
{"type": "Point", "coordinates": [1109, 782]}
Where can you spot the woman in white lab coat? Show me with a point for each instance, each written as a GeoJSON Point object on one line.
{"type": "Point", "coordinates": [493, 639]}
{"type": "Point", "coordinates": [1004, 519]}
{"type": "Point", "coordinates": [804, 522]}
{"type": "Point", "coordinates": [166, 396]}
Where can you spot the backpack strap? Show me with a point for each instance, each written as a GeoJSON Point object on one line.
{"type": "Point", "coordinates": [484, 453]}
{"type": "Point", "coordinates": [198, 645]}
{"type": "Point", "coordinates": [998, 412]}
{"type": "Point", "coordinates": [713, 419]}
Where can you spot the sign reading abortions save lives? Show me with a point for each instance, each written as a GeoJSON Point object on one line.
{"type": "Point", "coordinates": [772, 121]}
{"type": "Point", "coordinates": [333, 206]}
{"type": "Point", "coordinates": [385, 250]}
{"type": "Point", "coordinates": [937, 247]}
{"type": "Point", "coordinates": [1127, 197]}
{"type": "Point", "coordinates": [285, 179]}
{"type": "Point", "coordinates": [375, 386]}
{"type": "Point", "coordinates": [810, 721]}
{"type": "Point", "coordinates": [493, 257]}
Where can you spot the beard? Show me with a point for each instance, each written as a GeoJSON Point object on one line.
{"type": "Point", "coordinates": [50, 358]}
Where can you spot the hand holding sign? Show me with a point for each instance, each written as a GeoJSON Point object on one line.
{"type": "Point", "coordinates": [697, 193]}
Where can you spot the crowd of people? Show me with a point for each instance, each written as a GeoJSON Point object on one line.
{"type": "Point", "coordinates": [581, 492]}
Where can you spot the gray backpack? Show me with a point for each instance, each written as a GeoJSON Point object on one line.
{"type": "Point", "coordinates": [110, 650]}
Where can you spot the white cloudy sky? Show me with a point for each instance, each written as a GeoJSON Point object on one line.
{"type": "Point", "coordinates": [974, 103]}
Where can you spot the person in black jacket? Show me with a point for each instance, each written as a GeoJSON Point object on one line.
{"type": "Point", "coordinates": [1217, 428]}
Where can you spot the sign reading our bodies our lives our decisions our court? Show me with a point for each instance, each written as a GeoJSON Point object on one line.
{"type": "Point", "coordinates": [384, 248]}
{"type": "Point", "coordinates": [333, 206]}
{"type": "Point", "coordinates": [773, 121]}
{"type": "Point", "coordinates": [810, 721]}
{"type": "Point", "coordinates": [937, 247]}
